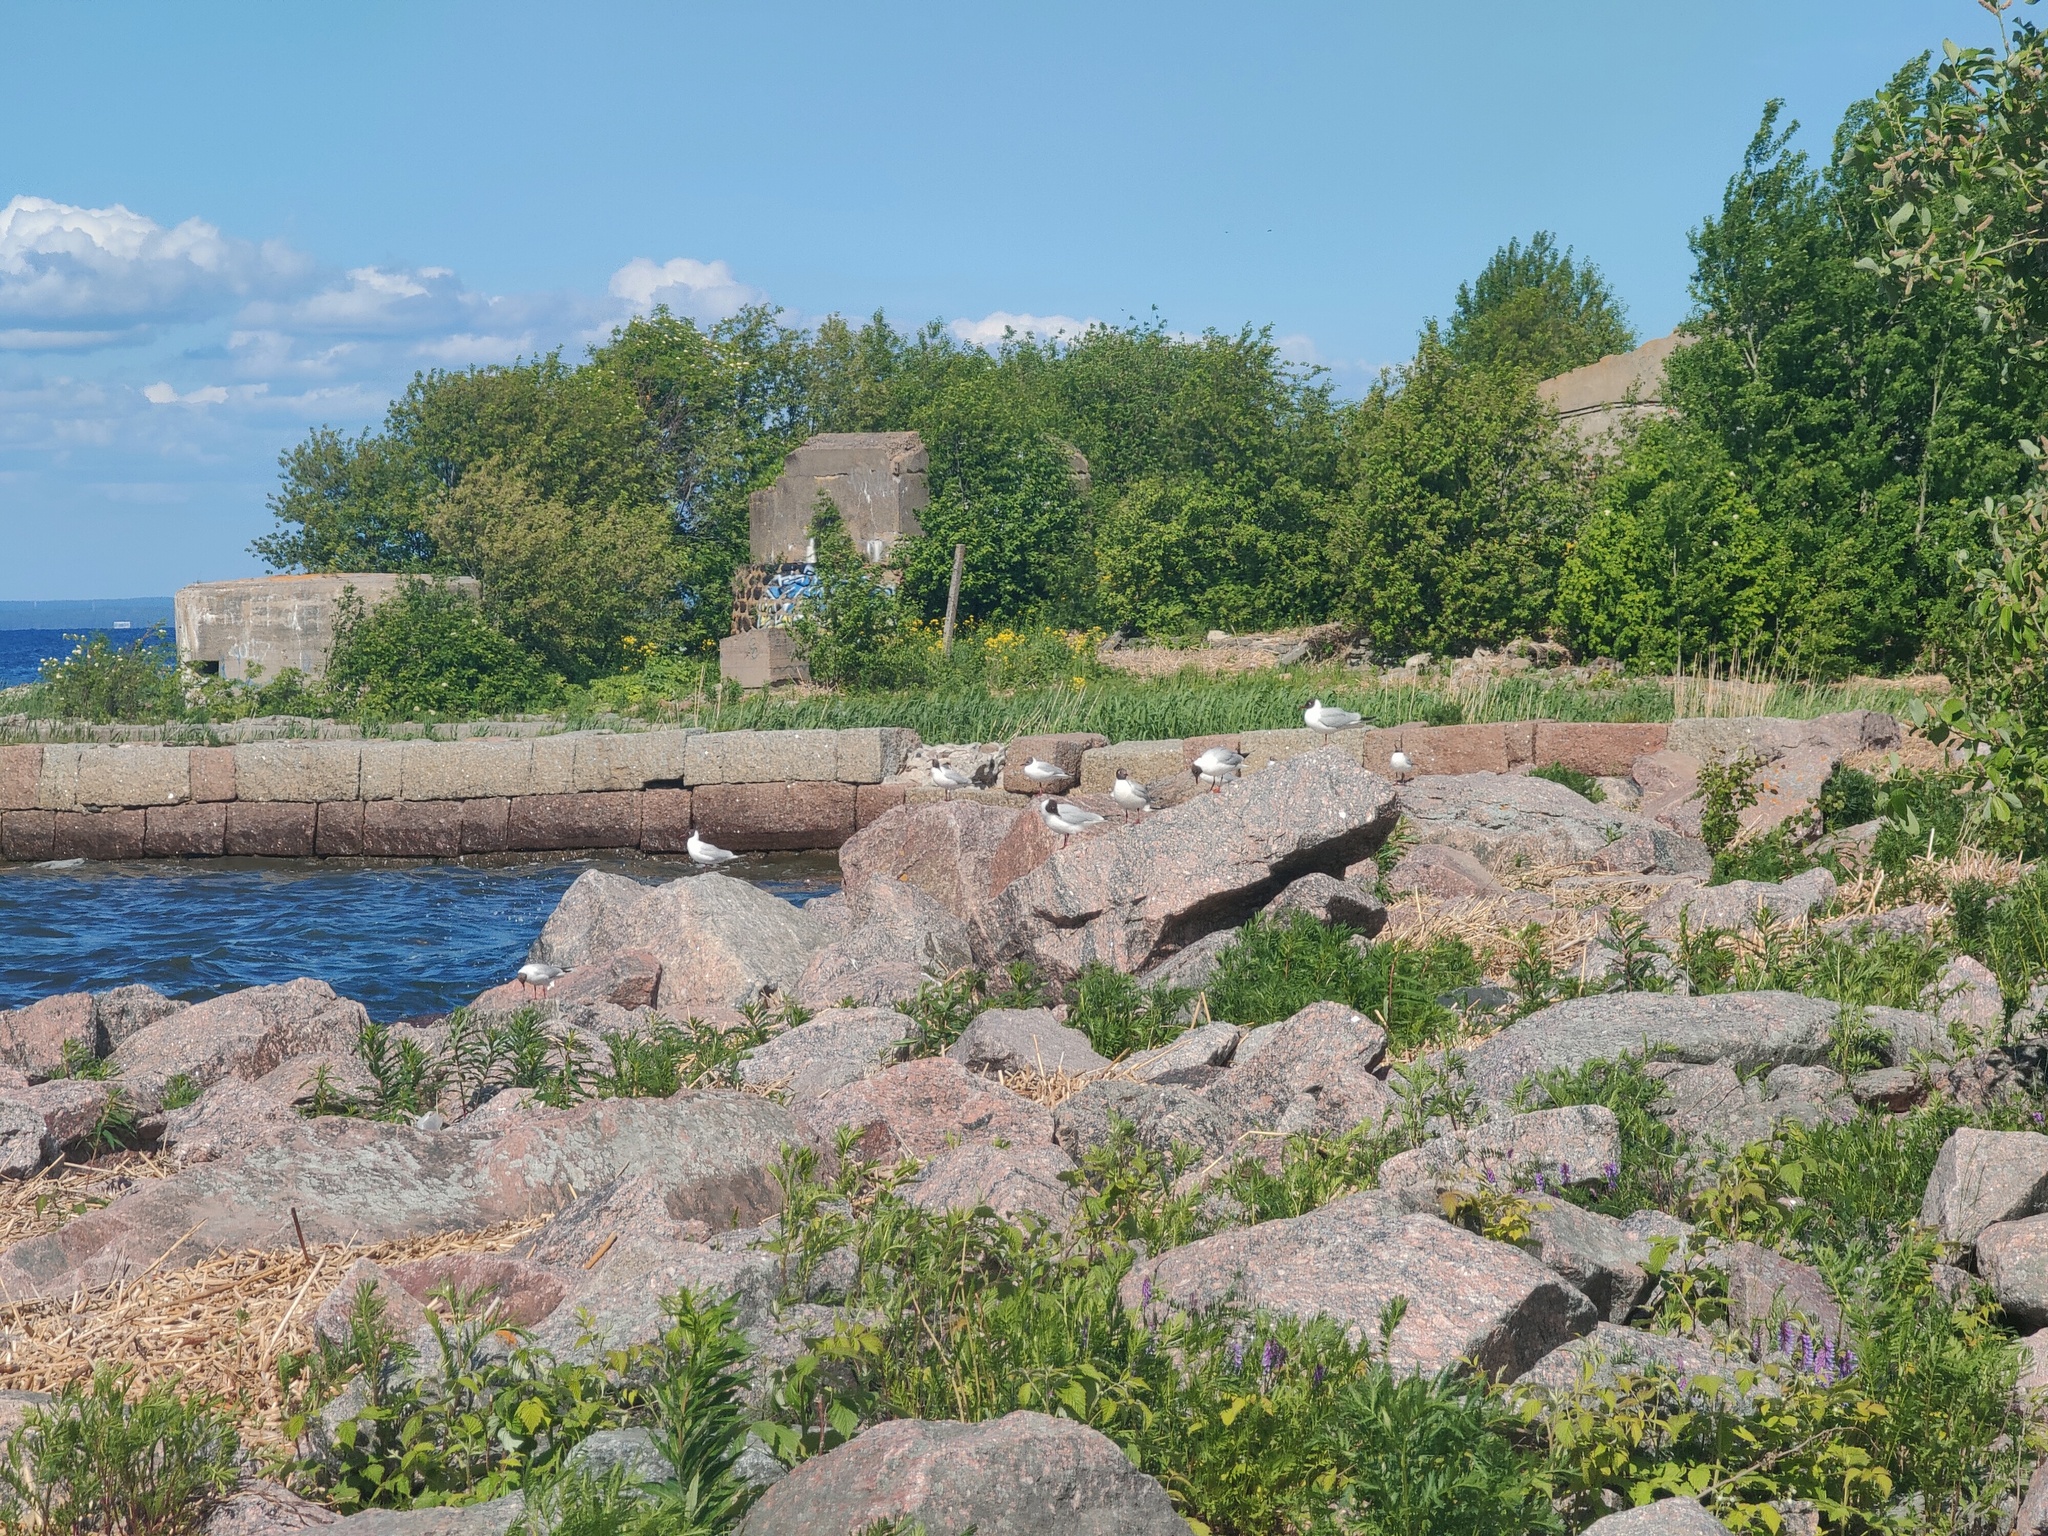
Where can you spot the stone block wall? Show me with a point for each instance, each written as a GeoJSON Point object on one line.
{"type": "Point", "coordinates": [745, 790]}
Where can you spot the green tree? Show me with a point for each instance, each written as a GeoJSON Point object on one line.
{"type": "Point", "coordinates": [1182, 554]}
{"type": "Point", "coordinates": [1465, 494]}
{"type": "Point", "coordinates": [1533, 307]}
{"type": "Point", "coordinates": [428, 652]}
{"type": "Point", "coordinates": [1675, 558]}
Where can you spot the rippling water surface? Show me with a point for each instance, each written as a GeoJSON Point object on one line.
{"type": "Point", "coordinates": [402, 940]}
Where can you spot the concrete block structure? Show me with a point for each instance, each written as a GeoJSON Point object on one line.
{"type": "Point", "coordinates": [759, 657]}
{"type": "Point", "coordinates": [261, 626]}
{"type": "Point", "coordinates": [875, 479]}
{"type": "Point", "coordinates": [1599, 399]}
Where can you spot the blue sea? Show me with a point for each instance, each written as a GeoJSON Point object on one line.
{"type": "Point", "coordinates": [404, 941]}
{"type": "Point", "coordinates": [23, 651]}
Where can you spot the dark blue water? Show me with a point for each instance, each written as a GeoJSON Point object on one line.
{"type": "Point", "coordinates": [403, 941]}
{"type": "Point", "coordinates": [22, 651]}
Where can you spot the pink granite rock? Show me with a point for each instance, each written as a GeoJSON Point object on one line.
{"type": "Point", "coordinates": [240, 1034]}
{"type": "Point", "coordinates": [923, 1107]}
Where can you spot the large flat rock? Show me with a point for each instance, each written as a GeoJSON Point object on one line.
{"type": "Point", "coordinates": [1743, 1029]}
{"type": "Point", "coordinates": [1132, 896]}
{"type": "Point", "coordinates": [354, 1181]}
{"type": "Point", "coordinates": [1025, 1474]}
{"type": "Point", "coordinates": [1467, 1296]}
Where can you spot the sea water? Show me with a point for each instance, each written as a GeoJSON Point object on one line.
{"type": "Point", "coordinates": [406, 941]}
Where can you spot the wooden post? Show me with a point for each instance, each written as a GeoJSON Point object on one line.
{"type": "Point", "coordinates": [953, 595]}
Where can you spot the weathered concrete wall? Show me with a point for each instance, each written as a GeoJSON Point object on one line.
{"type": "Point", "coordinates": [1596, 400]}
{"type": "Point", "coordinates": [262, 625]}
{"type": "Point", "coordinates": [876, 479]}
{"type": "Point", "coordinates": [745, 790]}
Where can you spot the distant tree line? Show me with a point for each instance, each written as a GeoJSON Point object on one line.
{"type": "Point", "coordinates": [1839, 431]}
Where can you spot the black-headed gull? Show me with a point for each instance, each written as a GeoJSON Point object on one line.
{"type": "Point", "coordinates": [1328, 717]}
{"type": "Point", "coordinates": [1401, 763]}
{"type": "Point", "coordinates": [1217, 765]}
{"type": "Point", "coordinates": [710, 855]}
{"type": "Point", "coordinates": [1129, 793]}
{"type": "Point", "coordinates": [1065, 819]}
{"type": "Point", "coordinates": [539, 976]}
{"type": "Point", "coordinates": [949, 778]}
{"type": "Point", "coordinates": [1042, 773]}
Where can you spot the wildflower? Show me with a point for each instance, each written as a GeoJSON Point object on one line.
{"type": "Point", "coordinates": [1785, 1336]}
{"type": "Point", "coordinates": [1273, 1357]}
{"type": "Point", "coordinates": [1613, 1175]}
{"type": "Point", "coordinates": [1145, 1290]}
{"type": "Point", "coordinates": [1237, 1354]}
{"type": "Point", "coordinates": [1564, 1173]}
{"type": "Point", "coordinates": [1318, 1380]}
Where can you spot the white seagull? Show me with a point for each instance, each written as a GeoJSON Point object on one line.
{"type": "Point", "coordinates": [1129, 793]}
{"type": "Point", "coordinates": [1328, 717]}
{"type": "Point", "coordinates": [1401, 763]}
{"type": "Point", "coordinates": [1217, 765]}
{"type": "Point", "coordinates": [710, 855]}
{"type": "Point", "coordinates": [950, 778]}
{"type": "Point", "coordinates": [539, 976]}
{"type": "Point", "coordinates": [1040, 772]}
{"type": "Point", "coordinates": [1065, 819]}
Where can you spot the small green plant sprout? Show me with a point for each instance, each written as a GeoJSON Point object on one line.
{"type": "Point", "coordinates": [182, 1089]}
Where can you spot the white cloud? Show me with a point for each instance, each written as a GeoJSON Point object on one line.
{"type": "Point", "coordinates": [988, 331]}
{"type": "Point", "coordinates": [161, 393]}
{"type": "Point", "coordinates": [703, 290]}
{"type": "Point", "coordinates": [66, 269]}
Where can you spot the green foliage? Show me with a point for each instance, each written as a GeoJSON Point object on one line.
{"type": "Point", "coordinates": [101, 1459]}
{"type": "Point", "coordinates": [1583, 784]}
{"type": "Point", "coordinates": [428, 652]}
{"type": "Point", "coordinates": [2008, 931]}
{"type": "Point", "coordinates": [180, 1090]}
{"type": "Point", "coordinates": [1848, 799]}
{"type": "Point", "coordinates": [1726, 790]}
{"type": "Point", "coordinates": [1771, 857]}
{"type": "Point", "coordinates": [484, 1420]}
{"type": "Point", "coordinates": [1119, 1014]}
{"type": "Point", "coordinates": [1649, 1173]}
{"type": "Point", "coordinates": [852, 632]}
{"type": "Point", "coordinates": [1184, 555]}
{"type": "Point", "coordinates": [101, 681]}
{"type": "Point", "coordinates": [1532, 307]}
{"type": "Point", "coordinates": [1433, 1456]}
{"type": "Point", "coordinates": [1674, 559]}
{"type": "Point", "coordinates": [1998, 717]}
{"type": "Point", "coordinates": [1275, 969]}
{"type": "Point", "coordinates": [1464, 497]}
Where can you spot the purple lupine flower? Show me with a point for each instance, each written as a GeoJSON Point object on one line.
{"type": "Point", "coordinates": [1541, 1187]}
{"type": "Point", "coordinates": [1145, 1290]}
{"type": "Point", "coordinates": [1319, 1374]}
{"type": "Point", "coordinates": [1487, 1169]}
{"type": "Point", "coordinates": [1846, 1364]}
{"type": "Point", "coordinates": [1806, 1355]}
{"type": "Point", "coordinates": [1273, 1357]}
{"type": "Point", "coordinates": [1785, 1336]}
{"type": "Point", "coordinates": [1237, 1354]}
{"type": "Point", "coordinates": [1613, 1173]}
{"type": "Point", "coordinates": [1564, 1173]}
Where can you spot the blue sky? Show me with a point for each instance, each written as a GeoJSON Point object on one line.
{"type": "Point", "coordinates": [232, 222]}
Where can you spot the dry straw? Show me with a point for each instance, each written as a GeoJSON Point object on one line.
{"type": "Point", "coordinates": [218, 1327]}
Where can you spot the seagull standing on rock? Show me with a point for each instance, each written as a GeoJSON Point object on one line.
{"type": "Point", "coordinates": [1130, 794]}
{"type": "Point", "coordinates": [1065, 819]}
{"type": "Point", "coordinates": [1401, 763]}
{"type": "Point", "coordinates": [1216, 766]}
{"type": "Point", "coordinates": [1045, 774]}
{"type": "Point", "coordinates": [709, 855]}
{"type": "Point", "coordinates": [949, 778]}
{"type": "Point", "coordinates": [538, 976]}
{"type": "Point", "coordinates": [1328, 717]}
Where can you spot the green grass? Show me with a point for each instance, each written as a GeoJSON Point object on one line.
{"type": "Point", "coordinates": [1274, 970]}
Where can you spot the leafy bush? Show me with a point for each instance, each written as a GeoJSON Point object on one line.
{"type": "Point", "coordinates": [1119, 1014]}
{"type": "Point", "coordinates": [100, 1458]}
{"type": "Point", "coordinates": [484, 1420]}
{"type": "Point", "coordinates": [1848, 799]}
{"type": "Point", "coordinates": [101, 681]}
{"type": "Point", "coordinates": [1772, 857]}
{"type": "Point", "coordinates": [1726, 791]}
{"type": "Point", "coordinates": [1274, 969]}
{"type": "Point", "coordinates": [427, 652]}
{"type": "Point", "coordinates": [1578, 783]}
